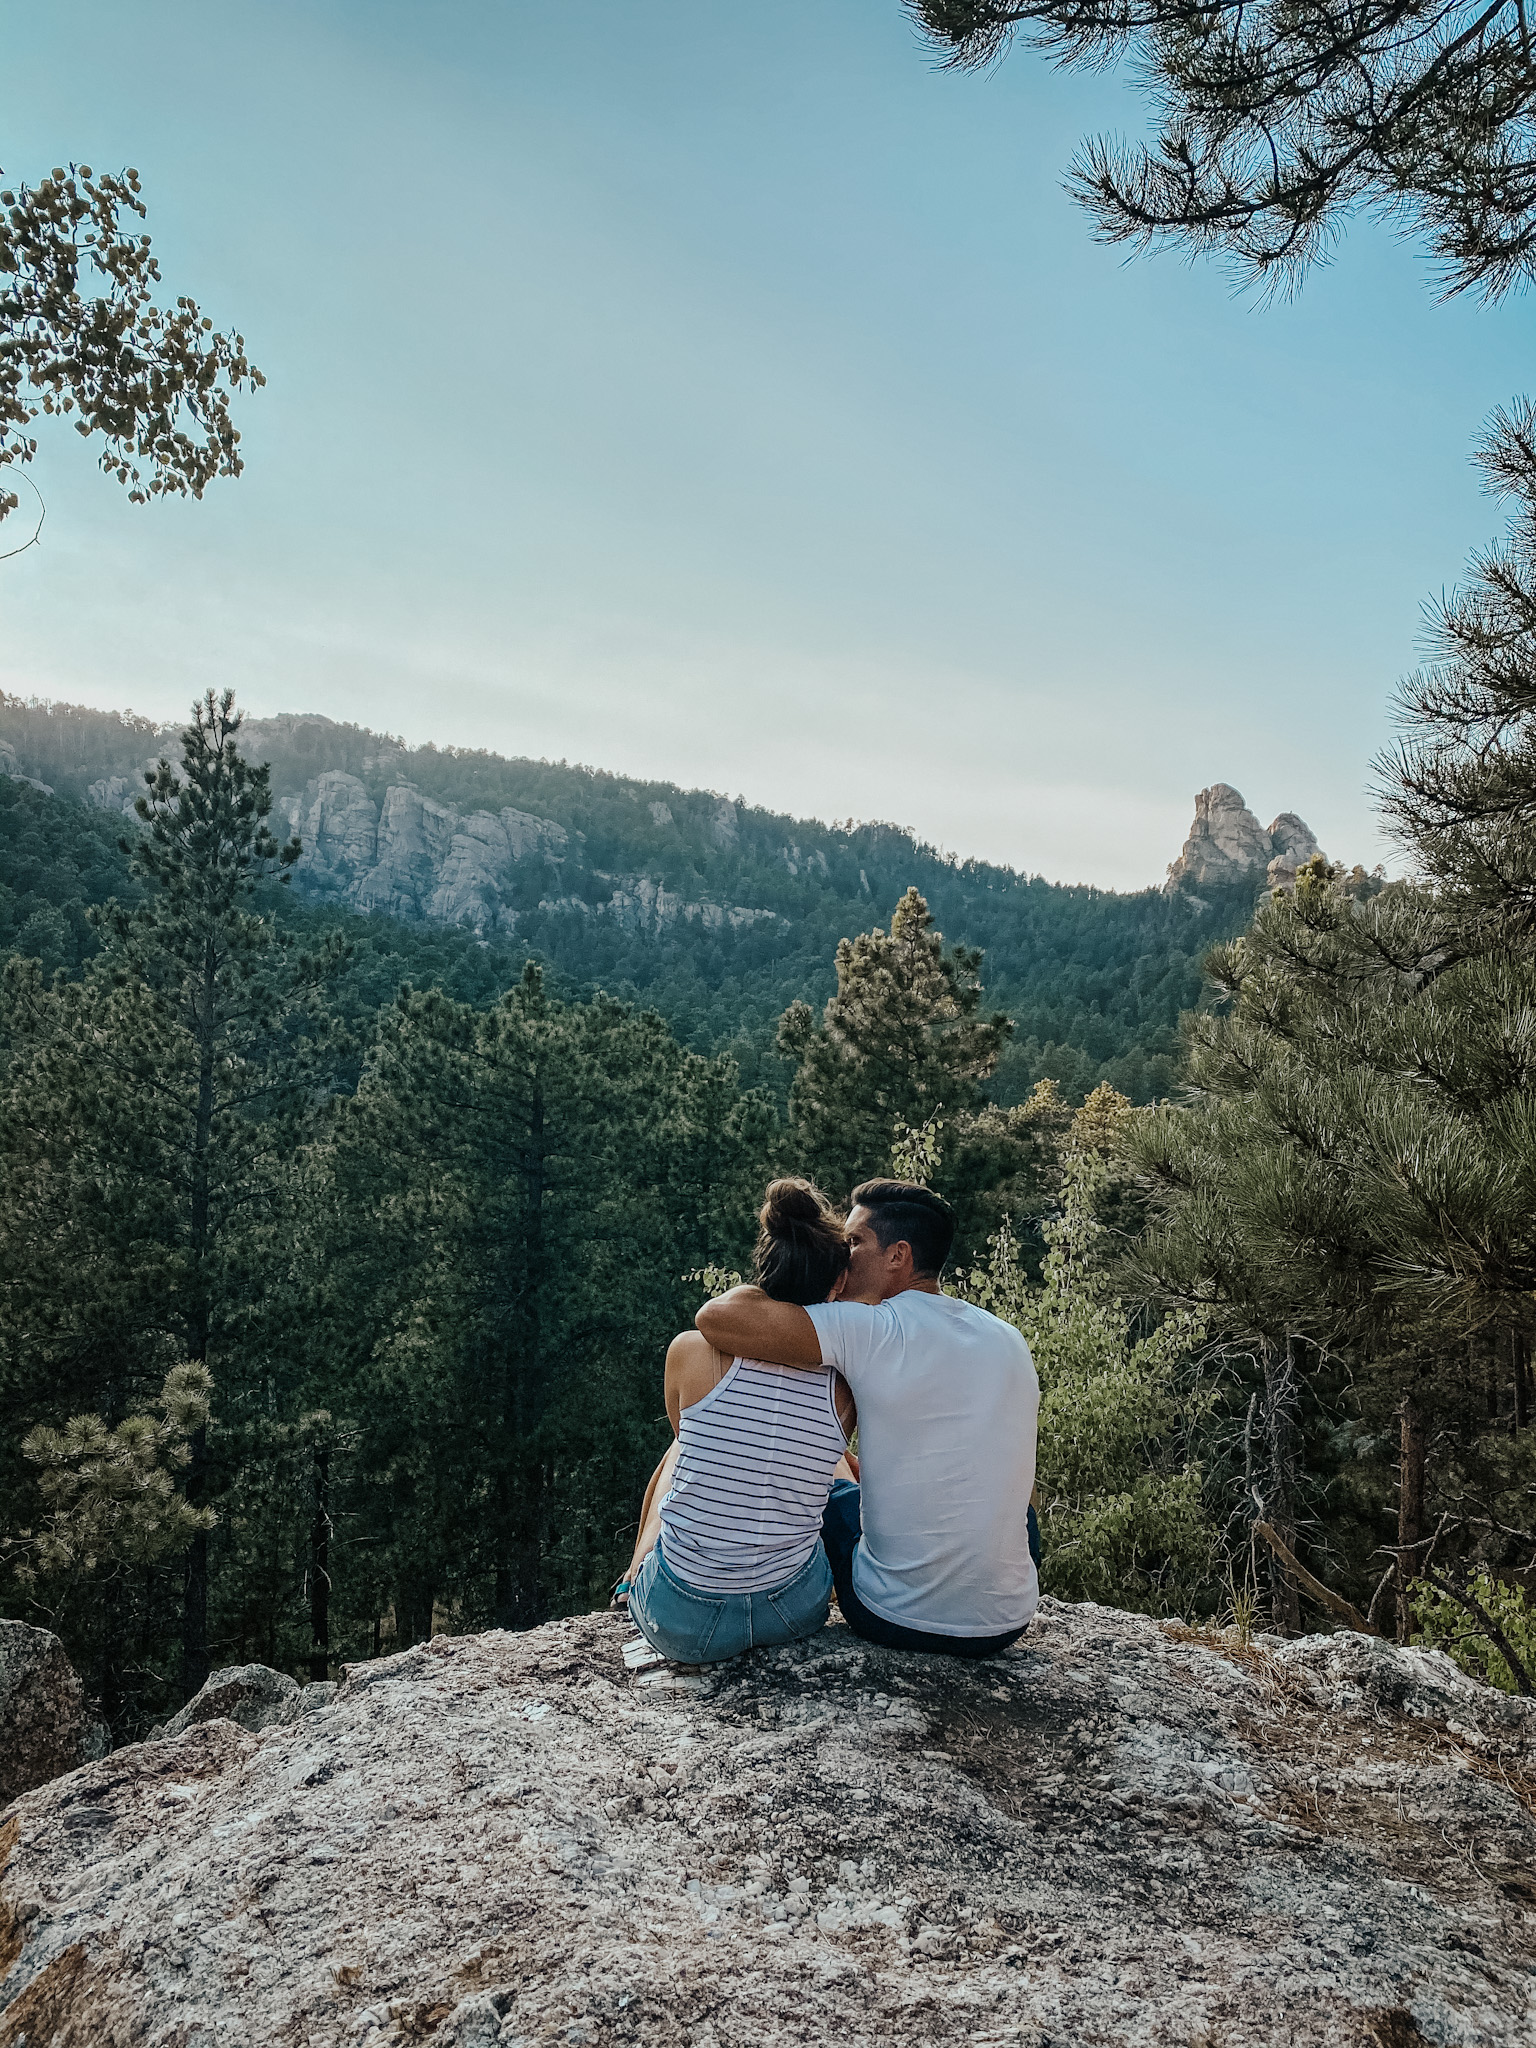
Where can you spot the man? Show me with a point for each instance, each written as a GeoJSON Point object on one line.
{"type": "Point", "coordinates": [932, 1550]}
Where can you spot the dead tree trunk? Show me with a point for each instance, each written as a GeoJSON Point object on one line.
{"type": "Point", "coordinates": [320, 1568]}
{"type": "Point", "coordinates": [1275, 1492]}
{"type": "Point", "coordinates": [1413, 1457]}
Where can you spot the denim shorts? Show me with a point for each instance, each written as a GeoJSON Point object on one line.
{"type": "Point", "coordinates": [692, 1627]}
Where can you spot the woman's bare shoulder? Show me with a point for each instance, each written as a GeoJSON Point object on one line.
{"type": "Point", "coordinates": [694, 1366]}
{"type": "Point", "coordinates": [689, 1348]}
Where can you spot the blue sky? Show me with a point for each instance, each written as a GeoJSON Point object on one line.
{"type": "Point", "coordinates": [723, 393]}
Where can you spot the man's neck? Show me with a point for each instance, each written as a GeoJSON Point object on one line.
{"type": "Point", "coordinates": [916, 1285]}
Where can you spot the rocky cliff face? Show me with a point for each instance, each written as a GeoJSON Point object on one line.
{"type": "Point", "coordinates": [10, 767]}
{"type": "Point", "coordinates": [1117, 1832]}
{"type": "Point", "coordinates": [413, 858]}
{"type": "Point", "coordinates": [427, 862]}
{"type": "Point", "coordinates": [1227, 843]}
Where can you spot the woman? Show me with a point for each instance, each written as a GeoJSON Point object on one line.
{"type": "Point", "coordinates": [730, 1552]}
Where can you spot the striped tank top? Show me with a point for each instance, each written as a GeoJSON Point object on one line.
{"type": "Point", "coordinates": [754, 1467]}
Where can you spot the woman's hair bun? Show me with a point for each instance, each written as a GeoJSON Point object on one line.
{"type": "Point", "coordinates": [801, 1248]}
{"type": "Point", "coordinates": [789, 1203]}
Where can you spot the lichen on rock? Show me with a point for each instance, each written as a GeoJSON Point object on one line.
{"type": "Point", "coordinates": [1119, 1831]}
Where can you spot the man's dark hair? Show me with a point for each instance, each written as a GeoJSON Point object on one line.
{"type": "Point", "coordinates": [902, 1212]}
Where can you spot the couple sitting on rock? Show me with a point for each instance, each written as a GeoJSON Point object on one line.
{"type": "Point", "coordinates": [759, 1510]}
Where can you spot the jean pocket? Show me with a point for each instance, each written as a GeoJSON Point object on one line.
{"type": "Point", "coordinates": [802, 1605]}
{"type": "Point", "coordinates": [680, 1622]}
{"type": "Point", "coordinates": [703, 1620]}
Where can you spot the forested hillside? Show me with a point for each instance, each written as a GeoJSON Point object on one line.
{"type": "Point", "coordinates": [341, 1251]}
{"type": "Point", "coordinates": [338, 1278]}
{"type": "Point", "coordinates": [1094, 981]}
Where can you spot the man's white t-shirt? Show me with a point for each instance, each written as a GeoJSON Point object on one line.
{"type": "Point", "coordinates": [948, 1408]}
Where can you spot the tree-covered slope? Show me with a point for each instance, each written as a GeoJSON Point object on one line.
{"type": "Point", "coordinates": [640, 888]}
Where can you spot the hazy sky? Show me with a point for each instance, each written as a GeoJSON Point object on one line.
{"type": "Point", "coordinates": [722, 393]}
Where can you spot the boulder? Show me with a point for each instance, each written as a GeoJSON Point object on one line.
{"type": "Point", "coordinates": [250, 1695]}
{"type": "Point", "coordinates": [43, 1730]}
{"type": "Point", "coordinates": [1118, 1831]}
{"type": "Point", "coordinates": [114, 793]}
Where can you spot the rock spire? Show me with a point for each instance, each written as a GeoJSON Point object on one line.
{"type": "Point", "coordinates": [1227, 843]}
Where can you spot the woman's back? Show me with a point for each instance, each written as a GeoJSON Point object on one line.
{"type": "Point", "coordinates": [755, 1460]}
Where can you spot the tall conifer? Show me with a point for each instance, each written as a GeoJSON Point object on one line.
{"type": "Point", "coordinates": [149, 1113]}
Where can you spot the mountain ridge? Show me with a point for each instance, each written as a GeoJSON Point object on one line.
{"type": "Point", "coordinates": [715, 911]}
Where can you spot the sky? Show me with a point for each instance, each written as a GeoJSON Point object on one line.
{"type": "Point", "coordinates": [726, 394]}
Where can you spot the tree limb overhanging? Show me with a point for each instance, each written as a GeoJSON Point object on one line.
{"type": "Point", "coordinates": [1277, 120]}
{"type": "Point", "coordinates": [153, 381]}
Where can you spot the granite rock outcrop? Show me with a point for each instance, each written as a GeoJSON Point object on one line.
{"type": "Point", "coordinates": [1119, 1831]}
{"type": "Point", "coordinates": [411, 857]}
{"type": "Point", "coordinates": [10, 767]}
{"type": "Point", "coordinates": [1227, 843]}
{"type": "Point", "coordinates": [43, 1729]}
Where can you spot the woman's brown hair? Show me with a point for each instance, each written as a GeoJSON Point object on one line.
{"type": "Point", "coordinates": [801, 1248]}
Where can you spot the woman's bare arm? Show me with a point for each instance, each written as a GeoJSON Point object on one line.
{"type": "Point", "coordinates": [847, 1408]}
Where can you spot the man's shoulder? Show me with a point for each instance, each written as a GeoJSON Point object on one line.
{"type": "Point", "coordinates": [862, 1316]}
{"type": "Point", "coordinates": [923, 1302]}
{"type": "Point", "coordinates": [979, 1324]}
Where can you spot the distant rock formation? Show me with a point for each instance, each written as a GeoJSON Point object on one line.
{"type": "Point", "coordinates": [10, 767]}
{"type": "Point", "coordinates": [424, 861]}
{"type": "Point", "coordinates": [414, 858]}
{"type": "Point", "coordinates": [112, 793]}
{"type": "Point", "coordinates": [1227, 843]}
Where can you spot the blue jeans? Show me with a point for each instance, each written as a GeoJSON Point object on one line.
{"type": "Point", "coordinates": [692, 1627]}
{"type": "Point", "coordinates": [841, 1527]}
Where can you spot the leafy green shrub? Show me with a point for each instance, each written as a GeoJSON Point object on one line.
{"type": "Point", "coordinates": [1446, 1625]}
{"type": "Point", "coordinates": [1121, 1513]}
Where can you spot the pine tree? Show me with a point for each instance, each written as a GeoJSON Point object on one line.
{"type": "Point", "coordinates": [1354, 1181]}
{"type": "Point", "coordinates": [1276, 122]}
{"type": "Point", "coordinates": [901, 1043]}
{"type": "Point", "coordinates": [148, 1114]}
{"type": "Point", "coordinates": [518, 1195]}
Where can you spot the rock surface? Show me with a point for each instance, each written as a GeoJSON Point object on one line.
{"type": "Point", "coordinates": [42, 1710]}
{"type": "Point", "coordinates": [1118, 1832]}
{"type": "Point", "coordinates": [1226, 843]}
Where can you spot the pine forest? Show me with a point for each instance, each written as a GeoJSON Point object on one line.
{"type": "Point", "coordinates": [340, 1253]}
